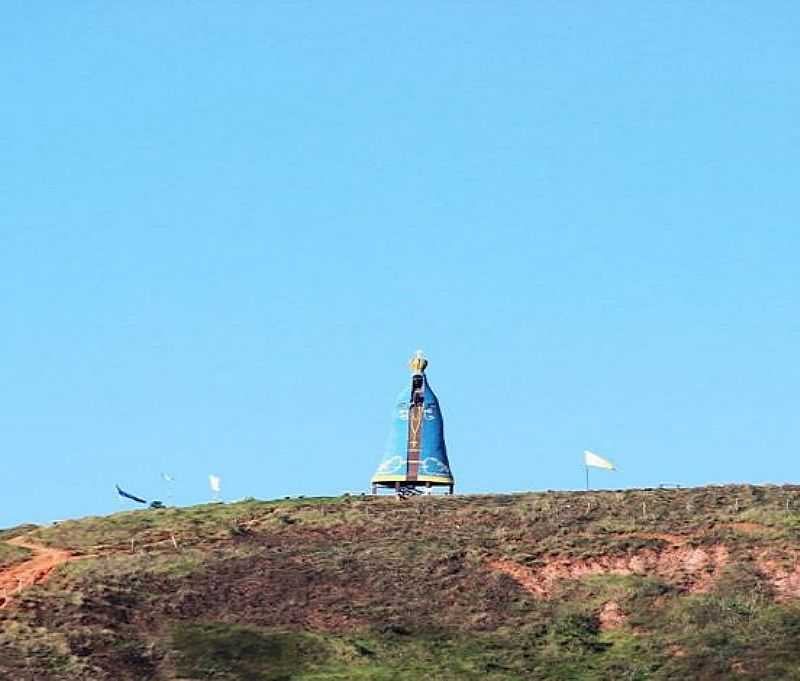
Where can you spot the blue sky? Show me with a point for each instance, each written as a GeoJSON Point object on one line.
{"type": "Point", "coordinates": [224, 228]}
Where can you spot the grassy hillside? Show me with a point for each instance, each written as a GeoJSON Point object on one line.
{"type": "Point", "coordinates": [640, 584]}
{"type": "Point", "coordinates": [12, 555]}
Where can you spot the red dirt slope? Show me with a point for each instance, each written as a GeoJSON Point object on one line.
{"type": "Point", "coordinates": [32, 571]}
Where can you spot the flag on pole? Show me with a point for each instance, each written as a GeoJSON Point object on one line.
{"type": "Point", "coordinates": [214, 481]}
{"type": "Point", "coordinates": [166, 477]}
{"type": "Point", "coordinates": [597, 461]}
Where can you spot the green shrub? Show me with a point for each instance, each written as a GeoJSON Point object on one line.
{"type": "Point", "coordinates": [227, 651]}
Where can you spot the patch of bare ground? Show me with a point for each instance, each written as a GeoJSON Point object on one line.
{"type": "Point", "coordinates": [611, 616]}
{"type": "Point", "coordinates": [748, 528]}
{"type": "Point", "coordinates": [690, 569]}
{"type": "Point", "coordinates": [528, 579]}
{"type": "Point", "coordinates": [33, 571]}
{"type": "Point", "coordinates": [785, 580]}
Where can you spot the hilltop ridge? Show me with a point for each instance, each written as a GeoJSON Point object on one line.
{"type": "Point", "coordinates": [634, 584]}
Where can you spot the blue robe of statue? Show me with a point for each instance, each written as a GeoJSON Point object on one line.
{"type": "Point", "coordinates": [434, 467]}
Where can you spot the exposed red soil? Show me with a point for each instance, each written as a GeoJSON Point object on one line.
{"type": "Point", "coordinates": [33, 571]}
{"type": "Point", "coordinates": [786, 580]}
{"type": "Point", "coordinates": [748, 528]}
{"type": "Point", "coordinates": [690, 569]}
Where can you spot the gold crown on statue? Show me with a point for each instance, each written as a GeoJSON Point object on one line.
{"type": "Point", "coordinates": [418, 363]}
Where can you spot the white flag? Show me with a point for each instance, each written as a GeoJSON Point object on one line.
{"type": "Point", "coordinates": [214, 481]}
{"type": "Point", "coordinates": [592, 459]}
{"type": "Point", "coordinates": [167, 477]}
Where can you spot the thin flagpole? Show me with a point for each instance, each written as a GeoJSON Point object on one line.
{"type": "Point", "coordinates": [587, 477]}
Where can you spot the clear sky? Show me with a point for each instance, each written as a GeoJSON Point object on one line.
{"type": "Point", "coordinates": [225, 227]}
